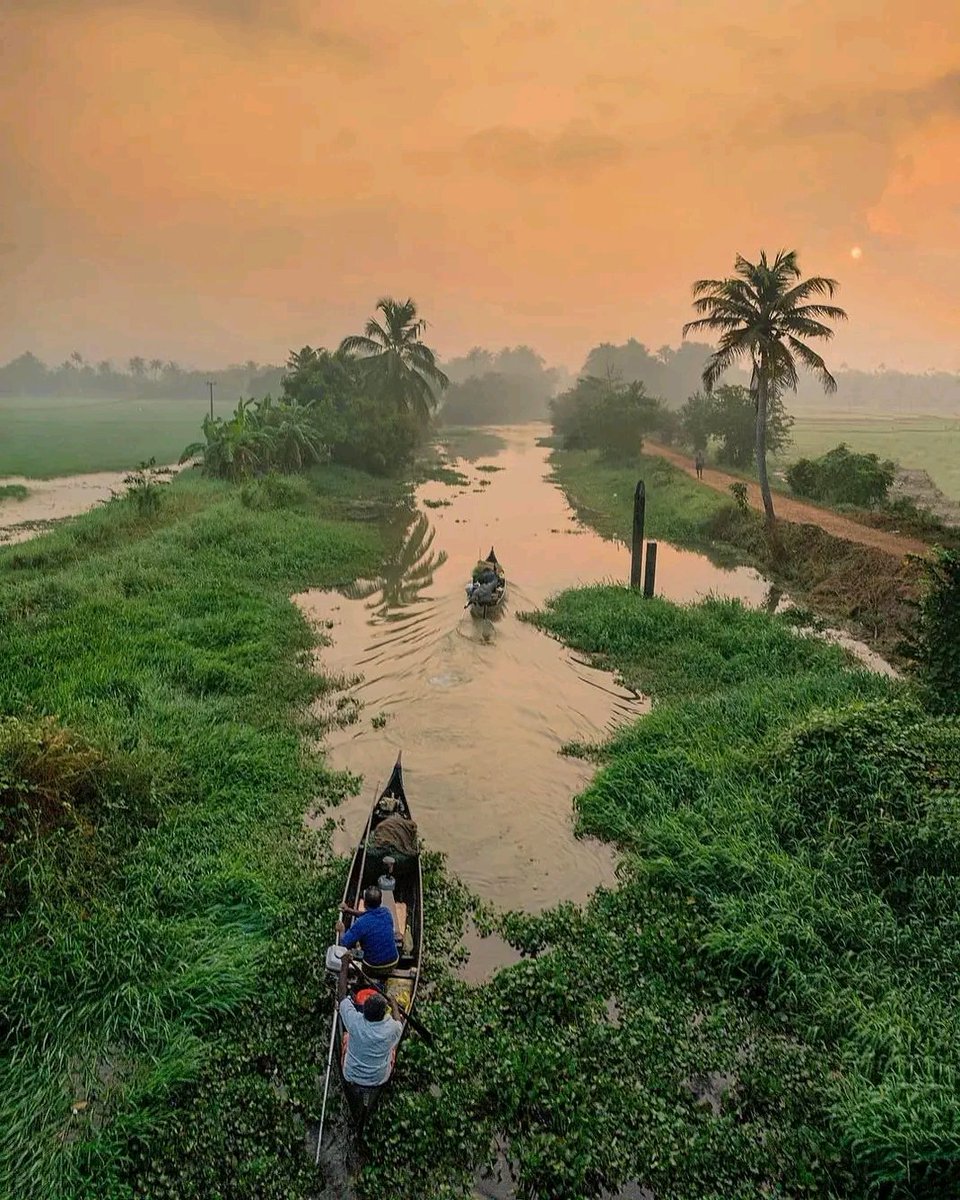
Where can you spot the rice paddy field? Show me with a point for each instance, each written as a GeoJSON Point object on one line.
{"type": "Point", "coordinates": [48, 436]}
{"type": "Point", "coordinates": [931, 444]}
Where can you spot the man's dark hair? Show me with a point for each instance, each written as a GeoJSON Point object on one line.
{"type": "Point", "coordinates": [375, 1008]}
{"type": "Point", "coordinates": [372, 897]}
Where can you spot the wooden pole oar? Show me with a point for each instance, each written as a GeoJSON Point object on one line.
{"type": "Point", "coordinates": [326, 1083]}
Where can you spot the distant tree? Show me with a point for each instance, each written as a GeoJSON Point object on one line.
{"type": "Point", "coordinates": [138, 367]}
{"type": "Point", "coordinates": [25, 375]}
{"type": "Point", "coordinates": [156, 366]}
{"type": "Point", "coordinates": [76, 360]}
{"type": "Point", "coordinates": [351, 422]}
{"type": "Point", "coordinates": [733, 421]}
{"type": "Point", "coordinates": [696, 420]}
{"type": "Point", "coordinates": [762, 315]}
{"type": "Point", "coordinates": [606, 415]}
{"type": "Point", "coordinates": [104, 368]}
{"type": "Point", "coordinates": [395, 361]}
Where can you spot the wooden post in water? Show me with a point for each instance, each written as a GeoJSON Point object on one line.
{"type": "Point", "coordinates": [636, 553]}
{"type": "Point", "coordinates": [650, 574]}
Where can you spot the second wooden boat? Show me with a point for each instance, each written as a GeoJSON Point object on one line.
{"type": "Point", "coordinates": [487, 607]}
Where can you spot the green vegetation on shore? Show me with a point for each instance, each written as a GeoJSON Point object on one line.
{"type": "Point", "coordinates": [762, 1005]}
{"type": "Point", "coordinates": [13, 491]}
{"type": "Point", "coordinates": [928, 442]}
{"type": "Point", "coordinates": [158, 949]}
{"type": "Point", "coordinates": [678, 509]}
{"type": "Point", "coordinates": [867, 588]}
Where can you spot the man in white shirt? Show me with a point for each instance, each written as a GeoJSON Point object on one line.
{"type": "Point", "coordinates": [372, 1035]}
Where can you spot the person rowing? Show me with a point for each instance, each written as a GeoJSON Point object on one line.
{"type": "Point", "coordinates": [373, 929]}
{"type": "Point", "coordinates": [371, 1035]}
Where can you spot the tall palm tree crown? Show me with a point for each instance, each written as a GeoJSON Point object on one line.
{"type": "Point", "coordinates": [766, 314]}
{"type": "Point", "coordinates": [396, 360]}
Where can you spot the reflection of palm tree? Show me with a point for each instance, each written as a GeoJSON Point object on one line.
{"type": "Point", "coordinates": [405, 574]}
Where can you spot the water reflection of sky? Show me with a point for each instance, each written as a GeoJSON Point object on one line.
{"type": "Point", "coordinates": [481, 709]}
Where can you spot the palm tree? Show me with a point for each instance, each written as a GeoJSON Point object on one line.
{"type": "Point", "coordinates": [156, 366]}
{"type": "Point", "coordinates": [137, 366]}
{"type": "Point", "coordinates": [761, 314]}
{"type": "Point", "coordinates": [394, 357]}
{"type": "Point", "coordinates": [292, 437]}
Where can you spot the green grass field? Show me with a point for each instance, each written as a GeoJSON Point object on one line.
{"type": "Point", "coordinates": [57, 436]}
{"type": "Point", "coordinates": [931, 444]}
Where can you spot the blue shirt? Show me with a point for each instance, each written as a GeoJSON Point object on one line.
{"type": "Point", "coordinates": [368, 1049]}
{"type": "Point", "coordinates": [374, 931]}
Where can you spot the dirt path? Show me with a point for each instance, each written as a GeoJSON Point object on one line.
{"type": "Point", "coordinates": [796, 510]}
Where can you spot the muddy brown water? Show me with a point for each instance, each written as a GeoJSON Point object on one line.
{"type": "Point", "coordinates": [482, 708]}
{"type": "Point", "coordinates": [51, 500]}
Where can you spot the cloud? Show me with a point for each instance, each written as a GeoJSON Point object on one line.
{"type": "Point", "coordinates": [513, 150]}
{"type": "Point", "coordinates": [259, 16]}
{"type": "Point", "coordinates": [877, 114]}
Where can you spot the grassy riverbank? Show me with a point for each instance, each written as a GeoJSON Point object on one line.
{"type": "Point", "coordinates": [158, 949]}
{"type": "Point", "coordinates": [868, 590]}
{"type": "Point", "coordinates": [762, 1006]}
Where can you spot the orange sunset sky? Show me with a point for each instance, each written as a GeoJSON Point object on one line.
{"type": "Point", "coordinates": [216, 180]}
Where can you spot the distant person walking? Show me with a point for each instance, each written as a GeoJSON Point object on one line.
{"type": "Point", "coordinates": [698, 463]}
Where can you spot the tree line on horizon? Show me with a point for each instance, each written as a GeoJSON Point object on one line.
{"type": "Point", "coordinates": [139, 378]}
{"type": "Point", "coordinates": [514, 383]}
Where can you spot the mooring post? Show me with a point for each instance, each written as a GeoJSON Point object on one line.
{"type": "Point", "coordinates": [650, 574]}
{"type": "Point", "coordinates": [636, 555]}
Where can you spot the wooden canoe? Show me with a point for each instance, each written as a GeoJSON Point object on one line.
{"type": "Point", "coordinates": [491, 562]}
{"type": "Point", "coordinates": [407, 907]}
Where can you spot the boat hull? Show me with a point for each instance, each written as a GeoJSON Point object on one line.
{"type": "Point", "coordinates": [402, 981]}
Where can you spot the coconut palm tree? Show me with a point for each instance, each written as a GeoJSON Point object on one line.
{"type": "Point", "coordinates": [765, 314]}
{"type": "Point", "coordinates": [137, 366]}
{"type": "Point", "coordinates": [396, 361]}
{"type": "Point", "coordinates": [156, 366]}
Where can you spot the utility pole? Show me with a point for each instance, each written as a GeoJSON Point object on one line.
{"type": "Point", "coordinates": [211, 385]}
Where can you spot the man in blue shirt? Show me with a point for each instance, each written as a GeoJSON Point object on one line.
{"type": "Point", "coordinates": [373, 930]}
{"type": "Point", "coordinates": [372, 1036]}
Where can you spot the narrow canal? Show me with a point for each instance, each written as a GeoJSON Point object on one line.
{"type": "Point", "coordinates": [481, 709]}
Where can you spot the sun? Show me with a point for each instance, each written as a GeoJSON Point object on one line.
{"type": "Point", "coordinates": [856, 252]}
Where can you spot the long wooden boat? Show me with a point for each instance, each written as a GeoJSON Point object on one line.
{"type": "Point", "coordinates": [491, 562]}
{"type": "Point", "coordinates": [406, 903]}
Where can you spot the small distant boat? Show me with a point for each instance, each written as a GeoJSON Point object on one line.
{"type": "Point", "coordinates": [406, 904]}
{"type": "Point", "coordinates": [486, 607]}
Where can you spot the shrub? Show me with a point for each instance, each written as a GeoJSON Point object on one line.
{"type": "Point", "coordinates": [935, 643]}
{"type": "Point", "coordinates": [609, 416]}
{"type": "Point", "coordinates": [275, 491]}
{"type": "Point", "coordinates": [841, 476]}
{"type": "Point", "coordinates": [739, 493]}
